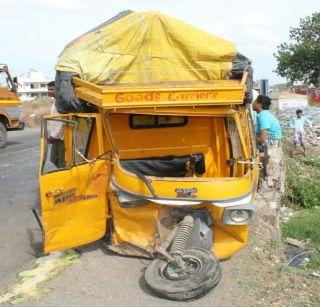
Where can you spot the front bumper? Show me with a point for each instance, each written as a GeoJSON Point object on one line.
{"type": "Point", "coordinates": [16, 124]}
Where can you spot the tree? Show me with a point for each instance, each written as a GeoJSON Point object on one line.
{"type": "Point", "coordinates": [300, 58]}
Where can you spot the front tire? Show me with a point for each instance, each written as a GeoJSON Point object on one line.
{"type": "Point", "coordinates": [204, 275]}
{"type": "Point", "coordinates": [3, 135]}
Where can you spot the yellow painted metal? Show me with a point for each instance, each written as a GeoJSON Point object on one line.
{"type": "Point", "coordinates": [196, 111]}
{"type": "Point", "coordinates": [9, 103]}
{"type": "Point", "coordinates": [205, 131]}
{"type": "Point", "coordinates": [138, 226]}
{"type": "Point", "coordinates": [227, 243]}
{"type": "Point", "coordinates": [9, 99]}
{"type": "Point", "coordinates": [73, 201]}
{"type": "Point", "coordinates": [207, 188]}
{"type": "Point", "coordinates": [206, 93]}
{"type": "Point", "coordinates": [71, 224]}
{"type": "Point", "coordinates": [228, 239]}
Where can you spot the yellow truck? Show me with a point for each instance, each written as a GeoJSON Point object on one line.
{"type": "Point", "coordinates": [10, 105]}
{"type": "Point", "coordinates": [163, 170]}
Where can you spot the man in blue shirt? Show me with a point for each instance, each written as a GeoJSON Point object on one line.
{"type": "Point", "coordinates": [268, 133]}
{"type": "Point", "coordinates": [268, 127]}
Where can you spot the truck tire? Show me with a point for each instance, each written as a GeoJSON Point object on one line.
{"type": "Point", "coordinates": [196, 284]}
{"type": "Point", "coordinates": [3, 135]}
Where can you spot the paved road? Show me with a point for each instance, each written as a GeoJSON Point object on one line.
{"type": "Point", "coordinates": [100, 278]}
{"type": "Point", "coordinates": [18, 186]}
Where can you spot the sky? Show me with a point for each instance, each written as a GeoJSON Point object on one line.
{"type": "Point", "coordinates": [34, 32]}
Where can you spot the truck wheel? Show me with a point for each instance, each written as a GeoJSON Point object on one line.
{"type": "Point", "coordinates": [3, 135]}
{"type": "Point", "coordinates": [202, 274]}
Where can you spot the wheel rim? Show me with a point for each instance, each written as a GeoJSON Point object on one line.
{"type": "Point", "coordinates": [172, 272]}
{"type": "Point", "coordinates": [1, 136]}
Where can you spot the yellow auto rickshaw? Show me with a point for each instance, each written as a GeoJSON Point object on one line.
{"type": "Point", "coordinates": [162, 170]}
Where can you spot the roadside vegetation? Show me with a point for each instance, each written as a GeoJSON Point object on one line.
{"type": "Point", "coordinates": [303, 197]}
{"type": "Point", "coordinates": [304, 225]}
{"type": "Point", "coordinates": [276, 282]}
{"type": "Point", "coordinates": [303, 182]}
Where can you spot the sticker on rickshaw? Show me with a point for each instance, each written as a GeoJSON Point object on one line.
{"type": "Point", "coordinates": [186, 193]}
{"type": "Point", "coordinates": [166, 96]}
{"type": "Point", "coordinates": [70, 196]}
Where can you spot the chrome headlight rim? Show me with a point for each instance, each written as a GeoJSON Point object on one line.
{"type": "Point", "coordinates": [239, 219]}
{"type": "Point", "coordinates": [227, 219]}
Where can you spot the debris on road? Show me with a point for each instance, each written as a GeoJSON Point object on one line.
{"type": "Point", "coordinates": [315, 274]}
{"type": "Point", "coordinates": [48, 267]}
{"type": "Point", "coordinates": [297, 257]}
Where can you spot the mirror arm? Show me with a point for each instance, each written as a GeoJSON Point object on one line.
{"type": "Point", "coordinates": [83, 157]}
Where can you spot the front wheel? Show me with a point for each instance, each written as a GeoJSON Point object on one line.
{"type": "Point", "coordinates": [202, 273]}
{"type": "Point", "coordinates": [3, 135]}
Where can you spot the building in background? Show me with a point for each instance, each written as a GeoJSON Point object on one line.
{"type": "Point", "coordinates": [292, 101]}
{"type": "Point", "coordinates": [32, 85]}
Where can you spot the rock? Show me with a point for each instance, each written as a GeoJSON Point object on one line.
{"type": "Point", "coordinates": [315, 274]}
{"type": "Point", "coordinates": [285, 214]}
{"type": "Point", "coordinates": [305, 261]}
{"type": "Point", "coordinates": [294, 242]}
{"type": "Point", "coordinates": [273, 205]}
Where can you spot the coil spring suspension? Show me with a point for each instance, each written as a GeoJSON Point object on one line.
{"type": "Point", "coordinates": [183, 234]}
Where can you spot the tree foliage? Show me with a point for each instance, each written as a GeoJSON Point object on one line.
{"type": "Point", "coordinates": [299, 59]}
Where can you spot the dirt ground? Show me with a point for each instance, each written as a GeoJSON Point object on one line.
{"type": "Point", "coordinates": [256, 276]}
{"type": "Point", "coordinates": [262, 271]}
{"type": "Point", "coordinates": [265, 274]}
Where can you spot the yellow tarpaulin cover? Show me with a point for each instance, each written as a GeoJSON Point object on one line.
{"type": "Point", "coordinates": [147, 47]}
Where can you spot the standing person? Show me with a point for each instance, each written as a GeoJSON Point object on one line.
{"type": "Point", "coordinates": [297, 124]}
{"type": "Point", "coordinates": [269, 141]}
{"type": "Point", "coordinates": [56, 139]}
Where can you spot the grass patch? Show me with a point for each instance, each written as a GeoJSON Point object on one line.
{"type": "Point", "coordinates": [303, 182]}
{"type": "Point", "coordinates": [304, 225]}
{"type": "Point", "coordinates": [314, 162]}
{"type": "Point", "coordinates": [274, 244]}
{"type": "Point", "coordinates": [315, 260]}
{"type": "Point", "coordinates": [303, 192]}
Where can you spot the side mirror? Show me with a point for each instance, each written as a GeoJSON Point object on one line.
{"type": "Point", "coordinates": [15, 80]}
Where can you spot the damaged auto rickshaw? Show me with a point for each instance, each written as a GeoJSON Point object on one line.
{"type": "Point", "coordinates": [163, 170]}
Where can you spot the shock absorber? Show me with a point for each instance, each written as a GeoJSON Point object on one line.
{"type": "Point", "coordinates": [183, 234]}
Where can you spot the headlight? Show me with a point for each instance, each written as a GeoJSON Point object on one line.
{"type": "Point", "coordinates": [239, 216]}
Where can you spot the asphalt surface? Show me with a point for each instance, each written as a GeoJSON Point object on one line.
{"type": "Point", "coordinates": [101, 278]}
{"type": "Point", "coordinates": [18, 194]}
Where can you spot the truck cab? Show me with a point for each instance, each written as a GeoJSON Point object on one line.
{"type": "Point", "coordinates": [10, 105]}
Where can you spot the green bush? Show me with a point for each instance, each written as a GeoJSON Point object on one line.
{"type": "Point", "coordinates": [305, 192]}
{"type": "Point", "coordinates": [314, 162]}
{"type": "Point", "coordinates": [303, 182]}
